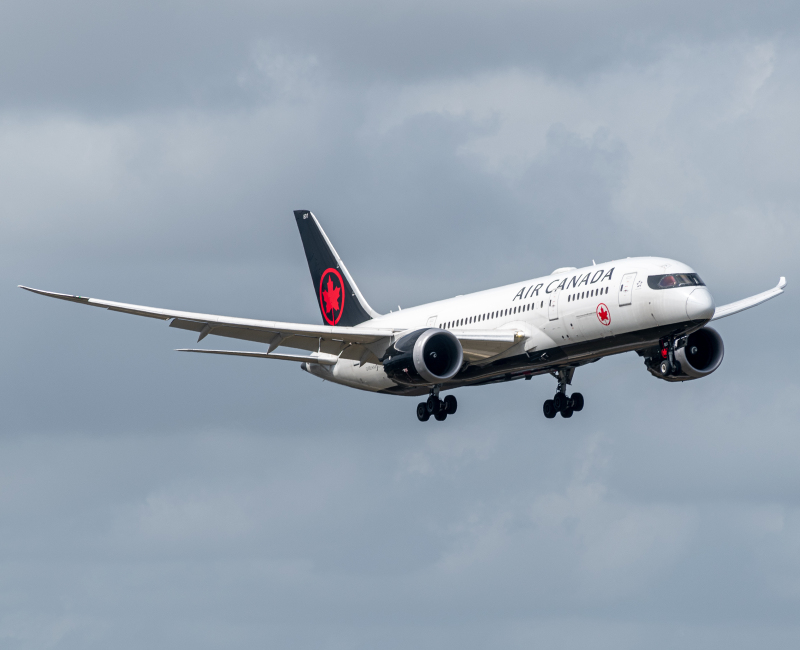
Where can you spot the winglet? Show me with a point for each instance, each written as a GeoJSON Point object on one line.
{"type": "Point", "coordinates": [52, 294]}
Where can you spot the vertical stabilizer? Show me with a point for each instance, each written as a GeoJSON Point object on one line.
{"type": "Point", "coordinates": [339, 299]}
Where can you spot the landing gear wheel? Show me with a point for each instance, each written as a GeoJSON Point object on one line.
{"type": "Point", "coordinates": [450, 404]}
{"type": "Point", "coordinates": [441, 415]}
{"type": "Point", "coordinates": [433, 404]}
{"type": "Point", "coordinates": [566, 413]}
{"type": "Point", "coordinates": [560, 401]}
{"type": "Point", "coordinates": [422, 412]}
{"type": "Point", "coordinates": [665, 367]}
{"type": "Point", "coordinates": [549, 409]}
{"type": "Point", "coordinates": [577, 402]}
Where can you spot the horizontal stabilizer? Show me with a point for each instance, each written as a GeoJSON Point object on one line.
{"type": "Point", "coordinates": [321, 359]}
{"type": "Point", "coordinates": [747, 303]}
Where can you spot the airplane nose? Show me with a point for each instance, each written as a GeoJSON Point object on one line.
{"type": "Point", "coordinates": [700, 305]}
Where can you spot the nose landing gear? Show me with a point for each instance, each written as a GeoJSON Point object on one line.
{"type": "Point", "coordinates": [560, 402]}
{"type": "Point", "coordinates": [668, 364]}
{"type": "Point", "coordinates": [438, 408]}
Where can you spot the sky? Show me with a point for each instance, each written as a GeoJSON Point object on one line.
{"type": "Point", "coordinates": [153, 152]}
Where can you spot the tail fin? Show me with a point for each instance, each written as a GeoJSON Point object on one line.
{"type": "Point", "coordinates": [340, 301]}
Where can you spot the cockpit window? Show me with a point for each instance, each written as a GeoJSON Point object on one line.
{"type": "Point", "coordinates": [674, 280]}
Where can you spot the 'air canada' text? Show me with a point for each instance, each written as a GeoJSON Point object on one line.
{"type": "Point", "coordinates": [565, 284]}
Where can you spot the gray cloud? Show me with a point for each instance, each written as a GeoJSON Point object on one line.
{"type": "Point", "coordinates": [152, 154]}
{"type": "Point", "coordinates": [98, 59]}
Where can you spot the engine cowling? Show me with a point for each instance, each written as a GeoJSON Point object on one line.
{"type": "Point", "coordinates": [426, 356]}
{"type": "Point", "coordinates": [700, 356]}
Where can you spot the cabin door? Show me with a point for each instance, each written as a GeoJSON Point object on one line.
{"type": "Point", "coordinates": [626, 289]}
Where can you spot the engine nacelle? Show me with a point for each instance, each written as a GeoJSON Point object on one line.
{"type": "Point", "coordinates": [427, 356]}
{"type": "Point", "coordinates": [698, 357]}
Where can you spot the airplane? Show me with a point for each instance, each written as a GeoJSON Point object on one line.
{"type": "Point", "coordinates": [552, 325]}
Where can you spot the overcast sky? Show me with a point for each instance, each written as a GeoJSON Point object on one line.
{"type": "Point", "coordinates": [153, 152]}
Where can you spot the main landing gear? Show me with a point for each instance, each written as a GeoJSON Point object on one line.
{"type": "Point", "coordinates": [561, 403]}
{"type": "Point", "coordinates": [438, 408]}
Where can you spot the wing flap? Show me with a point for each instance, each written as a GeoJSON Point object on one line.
{"type": "Point", "coordinates": [747, 303]}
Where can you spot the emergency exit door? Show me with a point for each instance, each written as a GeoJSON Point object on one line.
{"type": "Point", "coordinates": [626, 289]}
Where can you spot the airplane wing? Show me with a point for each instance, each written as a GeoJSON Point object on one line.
{"type": "Point", "coordinates": [747, 303]}
{"type": "Point", "coordinates": [479, 345]}
{"type": "Point", "coordinates": [357, 343]}
{"type": "Point", "coordinates": [329, 343]}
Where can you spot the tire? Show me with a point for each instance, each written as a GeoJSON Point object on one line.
{"type": "Point", "coordinates": [433, 405]}
{"type": "Point", "coordinates": [665, 367]}
{"type": "Point", "coordinates": [450, 404]}
{"type": "Point", "coordinates": [577, 402]}
{"type": "Point", "coordinates": [566, 413]}
{"type": "Point", "coordinates": [422, 412]}
{"type": "Point", "coordinates": [560, 401]}
{"type": "Point", "coordinates": [549, 409]}
{"type": "Point", "coordinates": [441, 415]}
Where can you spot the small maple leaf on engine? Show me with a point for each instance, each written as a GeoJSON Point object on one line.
{"type": "Point", "coordinates": [331, 296]}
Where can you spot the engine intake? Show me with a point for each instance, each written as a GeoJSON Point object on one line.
{"type": "Point", "coordinates": [702, 353]}
{"type": "Point", "coordinates": [698, 357]}
{"type": "Point", "coordinates": [426, 356]}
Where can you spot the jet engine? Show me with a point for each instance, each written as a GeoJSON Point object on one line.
{"type": "Point", "coordinates": [699, 355]}
{"type": "Point", "coordinates": [427, 356]}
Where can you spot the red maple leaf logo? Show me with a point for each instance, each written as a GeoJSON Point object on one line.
{"type": "Point", "coordinates": [331, 297]}
{"type": "Point", "coordinates": [602, 314]}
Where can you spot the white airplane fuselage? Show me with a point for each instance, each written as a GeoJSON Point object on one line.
{"type": "Point", "coordinates": [573, 315]}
